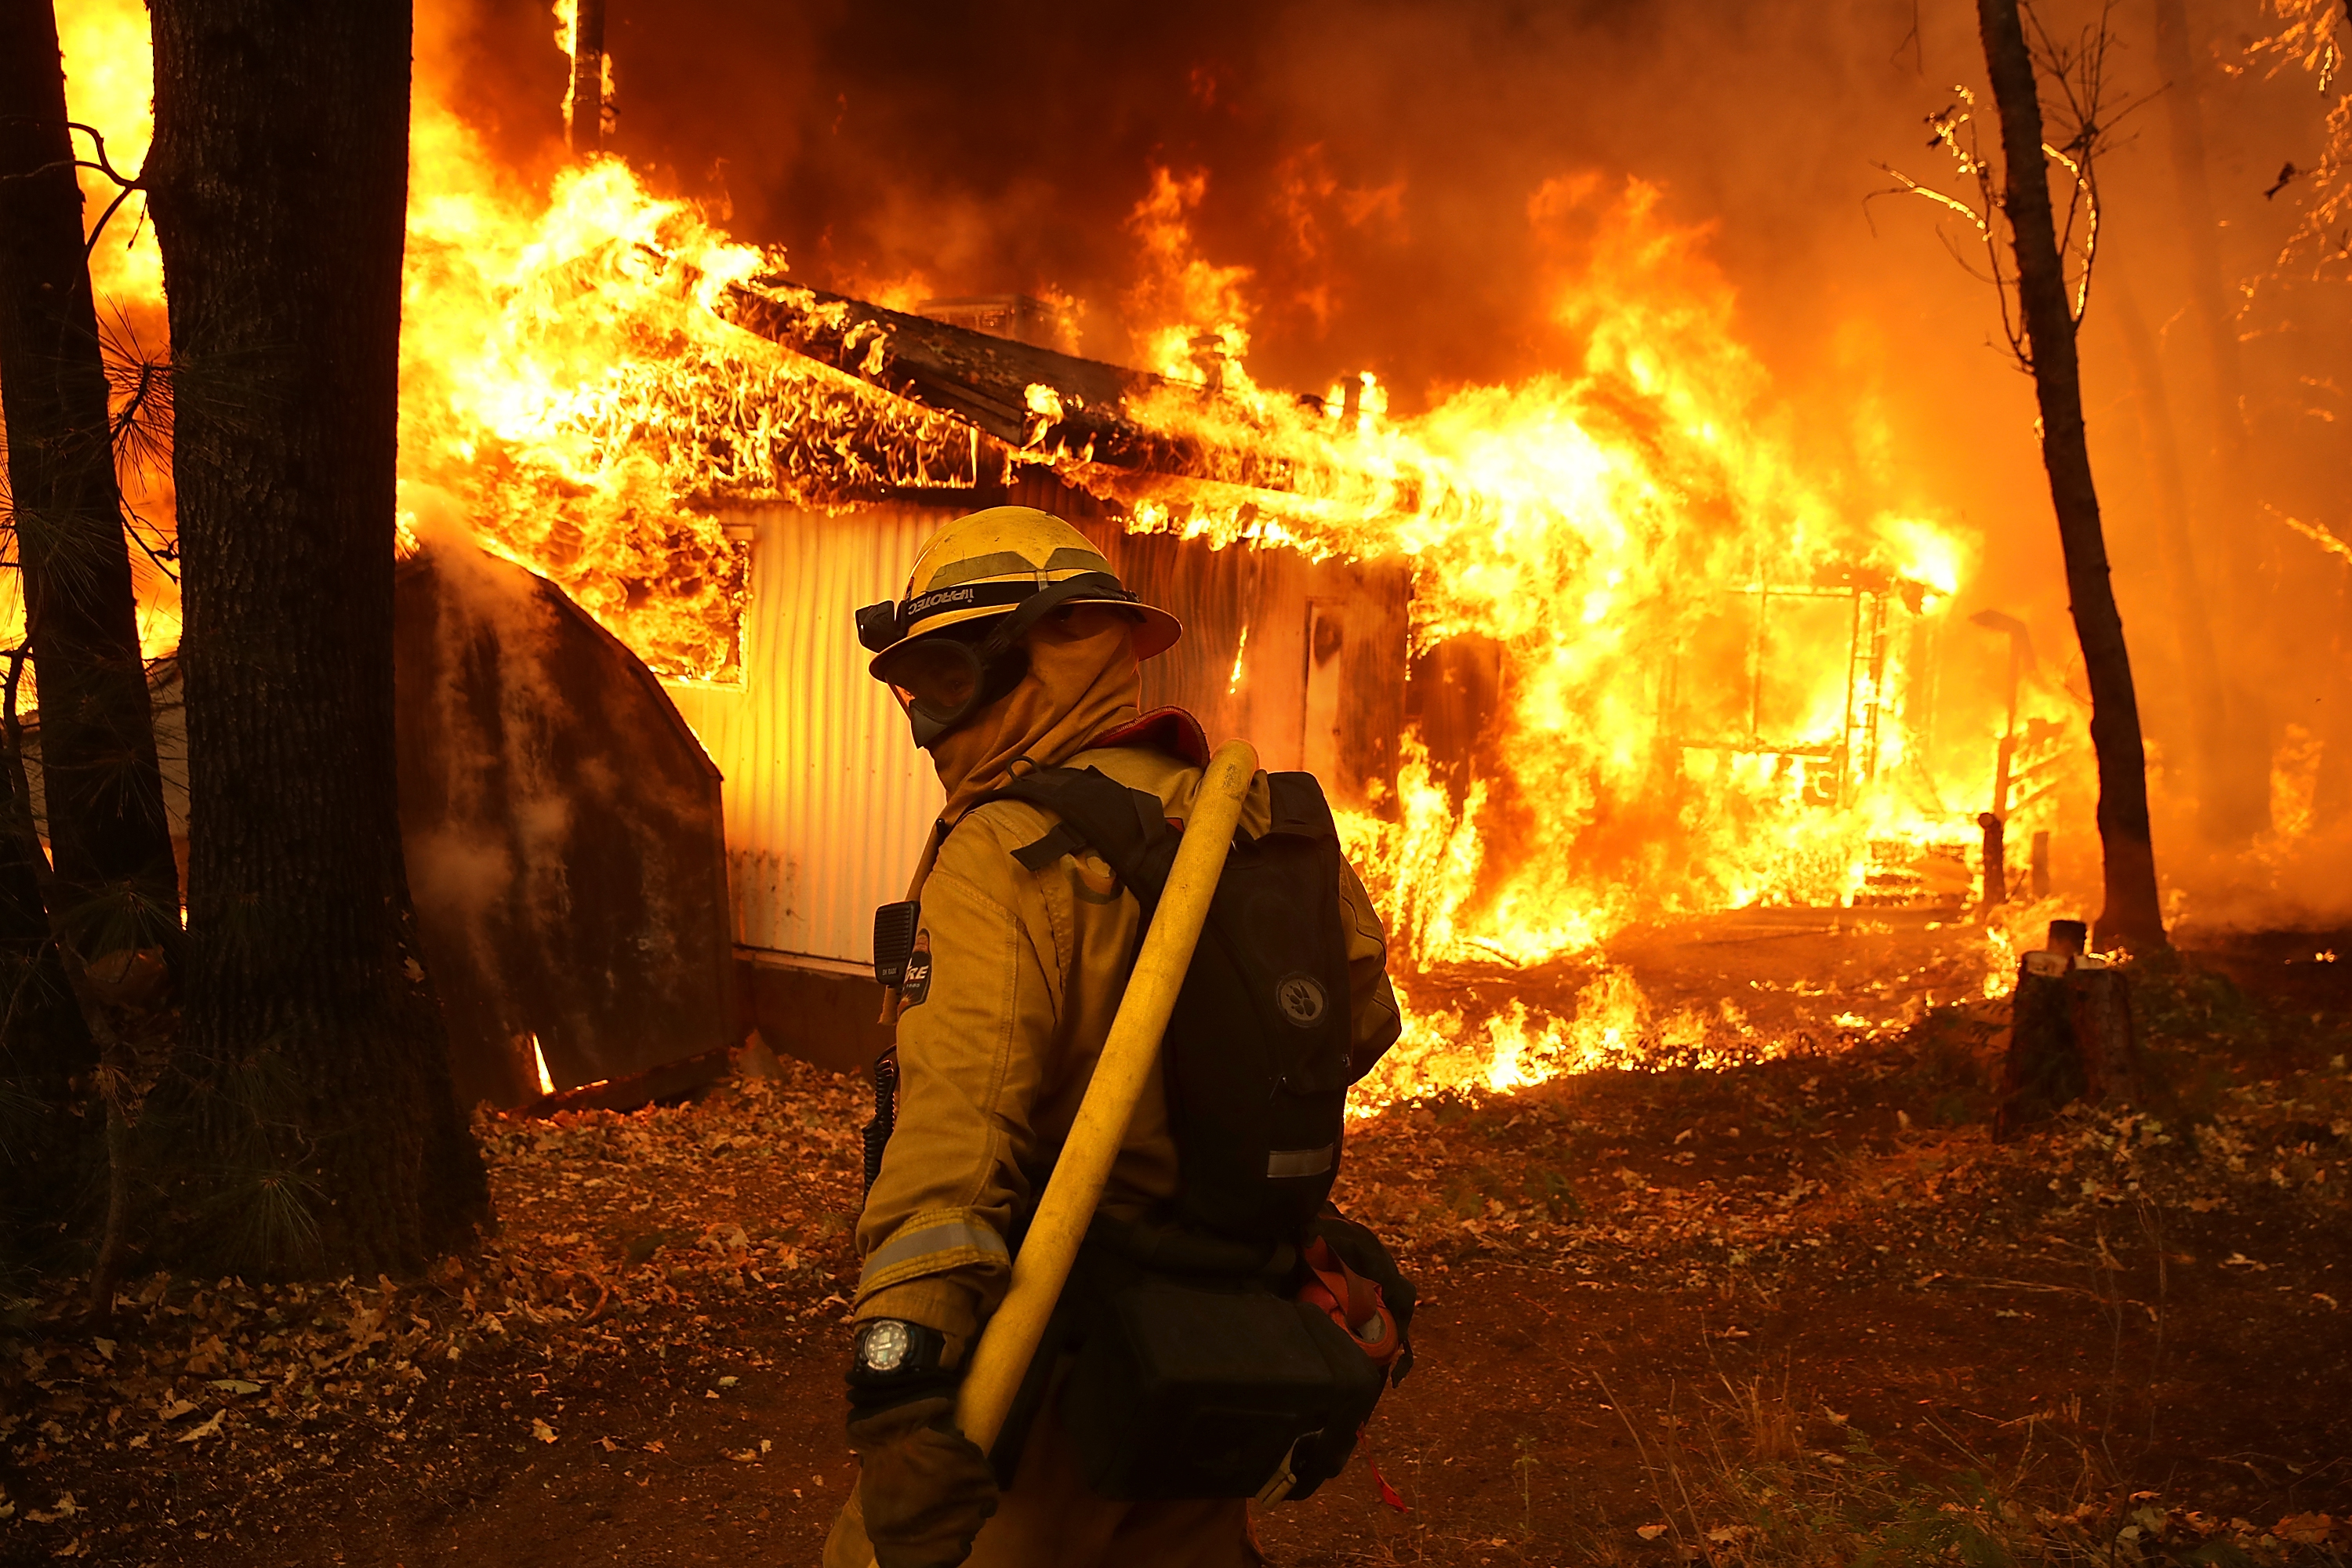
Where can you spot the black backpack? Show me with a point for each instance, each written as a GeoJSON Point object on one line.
{"type": "Point", "coordinates": [1196, 1374]}
{"type": "Point", "coordinates": [1256, 1057]}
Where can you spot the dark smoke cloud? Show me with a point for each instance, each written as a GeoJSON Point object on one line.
{"type": "Point", "coordinates": [1375, 158]}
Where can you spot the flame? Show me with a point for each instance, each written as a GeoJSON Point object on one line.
{"type": "Point", "coordinates": [564, 379]}
{"type": "Point", "coordinates": [564, 387]}
{"type": "Point", "coordinates": [1702, 650]}
{"type": "Point", "coordinates": [1204, 308]}
{"type": "Point", "coordinates": [1611, 1025]}
{"type": "Point", "coordinates": [1702, 647]}
{"type": "Point", "coordinates": [538, 1061]}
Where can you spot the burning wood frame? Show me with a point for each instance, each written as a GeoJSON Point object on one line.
{"type": "Point", "coordinates": [1826, 736]}
{"type": "Point", "coordinates": [1779, 713]}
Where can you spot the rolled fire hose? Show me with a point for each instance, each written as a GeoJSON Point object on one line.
{"type": "Point", "coordinates": [1006, 1346]}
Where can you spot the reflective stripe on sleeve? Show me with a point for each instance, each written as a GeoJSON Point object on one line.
{"type": "Point", "coordinates": [1299, 1161]}
{"type": "Point", "coordinates": [949, 1235]}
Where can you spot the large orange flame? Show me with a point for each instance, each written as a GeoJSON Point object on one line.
{"type": "Point", "coordinates": [1702, 649]}
{"type": "Point", "coordinates": [1705, 649]}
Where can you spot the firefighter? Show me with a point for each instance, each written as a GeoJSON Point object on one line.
{"type": "Point", "coordinates": [1016, 649]}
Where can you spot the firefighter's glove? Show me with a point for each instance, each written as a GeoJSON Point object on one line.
{"type": "Point", "coordinates": [924, 1487]}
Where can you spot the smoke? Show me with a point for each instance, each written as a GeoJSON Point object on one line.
{"type": "Point", "coordinates": [1378, 186]}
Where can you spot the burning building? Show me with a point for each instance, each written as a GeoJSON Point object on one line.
{"type": "Point", "coordinates": [1572, 654]}
{"type": "Point", "coordinates": [1580, 647]}
{"type": "Point", "coordinates": [1472, 634]}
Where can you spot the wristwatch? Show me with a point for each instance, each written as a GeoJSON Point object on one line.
{"type": "Point", "coordinates": [891, 1351]}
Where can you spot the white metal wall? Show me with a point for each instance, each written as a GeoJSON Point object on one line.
{"type": "Point", "coordinates": [827, 800]}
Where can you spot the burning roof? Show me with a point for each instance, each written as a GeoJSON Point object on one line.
{"type": "Point", "coordinates": [1084, 417]}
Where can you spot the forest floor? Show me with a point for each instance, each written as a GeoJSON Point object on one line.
{"type": "Point", "coordinates": [1805, 1311]}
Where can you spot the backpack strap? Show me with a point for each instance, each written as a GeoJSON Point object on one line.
{"type": "Point", "coordinates": [1064, 840]}
{"type": "Point", "coordinates": [1299, 806]}
{"type": "Point", "coordinates": [1126, 828]}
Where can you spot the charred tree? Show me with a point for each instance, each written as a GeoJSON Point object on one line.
{"type": "Point", "coordinates": [583, 110]}
{"type": "Point", "coordinates": [116, 889]}
{"type": "Point", "coordinates": [2132, 915]}
{"type": "Point", "coordinates": [313, 1062]}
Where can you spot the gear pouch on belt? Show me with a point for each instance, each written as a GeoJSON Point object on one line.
{"type": "Point", "coordinates": [1198, 1390]}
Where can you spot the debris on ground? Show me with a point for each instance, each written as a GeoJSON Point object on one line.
{"type": "Point", "coordinates": [1803, 1311]}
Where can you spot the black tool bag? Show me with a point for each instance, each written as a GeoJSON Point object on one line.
{"type": "Point", "coordinates": [1199, 1388]}
{"type": "Point", "coordinates": [1255, 1059]}
{"type": "Point", "coordinates": [1190, 1370]}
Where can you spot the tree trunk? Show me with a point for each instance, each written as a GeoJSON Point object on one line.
{"type": "Point", "coordinates": [105, 794]}
{"type": "Point", "coordinates": [584, 110]}
{"type": "Point", "coordinates": [2241, 805]}
{"type": "Point", "coordinates": [107, 835]}
{"type": "Point", "coordinates": [318, 1059]}
{"type": "Point", "coordinates": [47, 1149]}
{"type": "Point", "coordinates": [2132, 915]}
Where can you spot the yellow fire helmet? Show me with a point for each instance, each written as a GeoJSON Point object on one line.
{"type": "Point", "coordinates": [993, 573]}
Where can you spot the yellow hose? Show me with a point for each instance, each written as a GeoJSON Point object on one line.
{"type": "Point", "coordinates": [1002, 1358]}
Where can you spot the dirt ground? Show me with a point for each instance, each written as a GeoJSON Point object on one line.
{"type": "Point", "coordinates": [1799, 1312]}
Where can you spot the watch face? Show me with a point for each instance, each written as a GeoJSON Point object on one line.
{"type": "Point", "coordinates": [885, 1346]}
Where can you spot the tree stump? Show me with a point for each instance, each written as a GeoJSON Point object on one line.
{"type": "Point", "coordinates": [2071, 1034]}
{"type": "Point", "coordinates": [2104, 1036]}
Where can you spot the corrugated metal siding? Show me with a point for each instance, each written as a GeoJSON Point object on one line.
{"type": "Point", "coordinates": [827, 802]}
{"type": "Point", "coordinates": [1241, 668]}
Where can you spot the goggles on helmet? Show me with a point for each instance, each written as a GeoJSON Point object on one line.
{"type": "Point", "coordinates": [943, 679]}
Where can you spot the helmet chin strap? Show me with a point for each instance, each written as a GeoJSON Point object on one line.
{"type": "Point", "coordinates": [1002, 660]}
